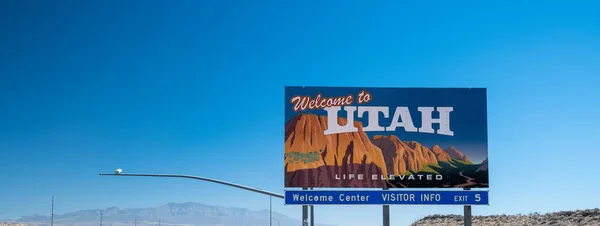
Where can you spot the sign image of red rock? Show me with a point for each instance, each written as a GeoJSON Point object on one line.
{"type": "Point", "coordinates": [353, 137]}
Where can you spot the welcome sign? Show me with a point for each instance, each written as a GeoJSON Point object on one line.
{"type": "Point", "coordinates": [353, 137]}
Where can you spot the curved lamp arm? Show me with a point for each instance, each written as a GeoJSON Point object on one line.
{"type": "Point", "coordinates": [198, 178]}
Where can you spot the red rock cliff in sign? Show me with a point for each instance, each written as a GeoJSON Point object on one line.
{"type": "Point", "coordinates": [401, 156]}
{"type": "Point", "coordinates": [457, 154]}
{"type": "Point", "coordinates": [313, 159]}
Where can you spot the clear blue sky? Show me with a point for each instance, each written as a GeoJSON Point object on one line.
{"type": "Point", "coordinates": [196, 87]}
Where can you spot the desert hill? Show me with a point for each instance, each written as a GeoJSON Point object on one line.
{"type": "Point", "coordinates": [590, 217]}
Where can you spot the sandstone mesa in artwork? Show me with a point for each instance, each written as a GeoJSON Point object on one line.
{"type": "Point", "coordinates": [313, 159]}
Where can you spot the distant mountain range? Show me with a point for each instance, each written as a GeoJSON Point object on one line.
{"type": "Point", "coordinates": [313, 159]}
{"type": "Point", "coordinates": [172, 214]}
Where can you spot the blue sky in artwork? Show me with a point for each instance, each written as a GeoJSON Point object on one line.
{"type": "Point", "coordinates": [197, 87]}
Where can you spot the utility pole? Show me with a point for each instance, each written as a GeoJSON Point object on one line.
{"type": "Point", "coordinates": [100, 217]}
{"type": "Point", "coordinates": [270, 211]}
{"type": "Point", "coordinates": [158, 222]}
{"type": "Point", "coordinates": [135, 222]}
{"type": "Point", "coordinates": [52, 214]}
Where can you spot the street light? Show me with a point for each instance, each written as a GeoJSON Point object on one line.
{"type": "Point", "coordinates": [118, 172]}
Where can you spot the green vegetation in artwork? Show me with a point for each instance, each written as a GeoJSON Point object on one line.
{"type": "Point", "coordinates": [305, 157]}
{"type": "Point", "coordinates": [428, 168]}
{"type": "Point", "coordinates": [407, 173]}
{"type": "Point", "coordinates": [462, 162]}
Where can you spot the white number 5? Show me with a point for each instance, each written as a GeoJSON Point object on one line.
{"type": "Point", "coordinates": [477, 197]}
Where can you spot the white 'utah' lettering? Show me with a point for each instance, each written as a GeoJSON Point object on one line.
{"type": "Point", "coordinates": [401, 118]}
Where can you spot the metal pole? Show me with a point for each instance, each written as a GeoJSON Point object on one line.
{"type": "Point", "coordinates": [386, 213]}
{"type": "Point", "coordinates": [304, 213]}
{"type": "Point", "coordinates": [312, 213]}
{"type": "Point", "coordinates": [52, 214]}
{"type": "Point", "coordinates": [135, 222]}
{"type": "Point", "coordinates": [270, 211]}
{"type": "Point", "coordinates": [468, 217]}
{"type": "Point", "coordinates": [158, 222]}
{"type": "Point", "coordinates": [198, 178]}
{"type": "Point", "coordinates": [100, 217]}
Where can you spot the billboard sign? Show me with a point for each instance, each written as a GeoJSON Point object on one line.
{"type": "Point", "coordinates": [396, 138]}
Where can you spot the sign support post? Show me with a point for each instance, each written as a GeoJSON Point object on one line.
{"type": "Point", "coordinates": [304, 213]}
{"type": "Point", "coordinates": [386, 213]}
{"type": "Point", "coordinates": [312, 213]}
{"type": "Point", "coordinates": [467, 218]}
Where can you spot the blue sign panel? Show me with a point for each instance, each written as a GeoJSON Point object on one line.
{"type": "Point", "coordinates": [386, 197]}
{"type": "Point", "coordinates": [367, 137]}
